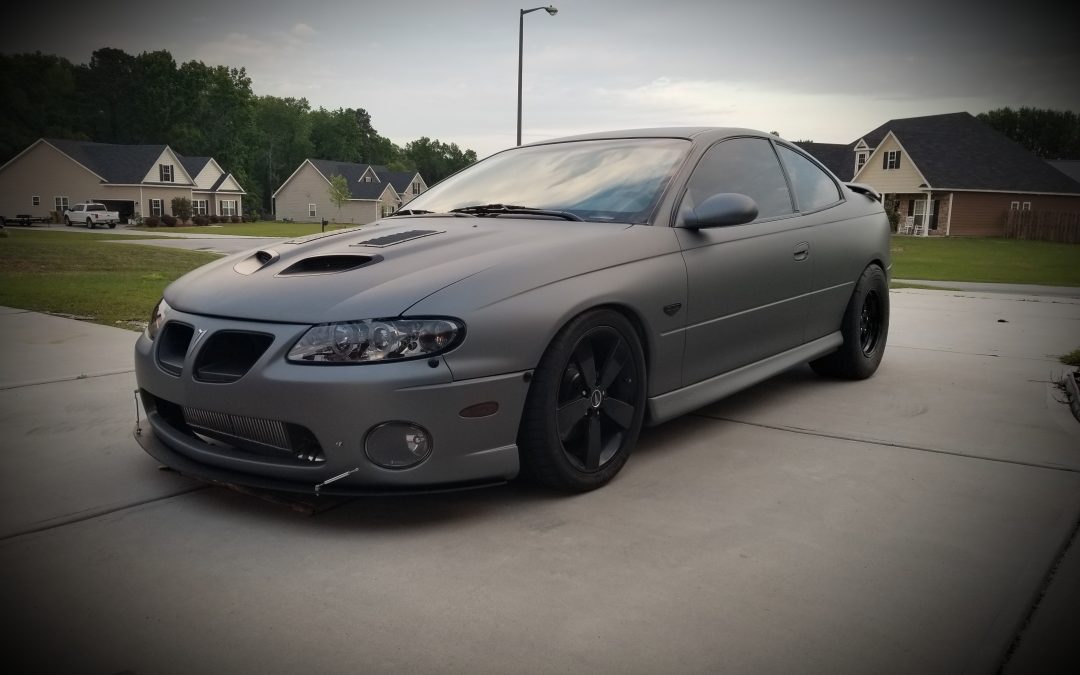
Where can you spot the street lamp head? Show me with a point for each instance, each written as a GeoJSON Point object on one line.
{"type": "Point", "coordinates": [551, 10]}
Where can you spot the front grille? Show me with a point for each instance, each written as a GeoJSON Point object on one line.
{"type": "Point", "coordinates": [172, 346]}
{"type": "Point", "coordinates": [225, 433]}
{"type": "Point", "coordinates": [270, 433]}
{"type": "Point", "coordinates": [229, 354]}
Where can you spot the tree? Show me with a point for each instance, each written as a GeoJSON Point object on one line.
{"type": "Point", "coordinates": [1050, 134]}
{"type": "Point", "coordinates": [339, 192]}
{"type": "Point", "coordinates": [181, 208]}
{"type": "Point", "coordinates": [436, 160]}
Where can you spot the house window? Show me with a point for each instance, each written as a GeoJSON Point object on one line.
{"type": "Point", "coordinates": [891, 160]}
{"type": "Point", "coordinates": [1026, 206]}
{"type": "Point", "coordinates": [367, 178]}
{"type": "Point", "coordinates": [199, 207]}
{"type": "Point", "coordinates": [860, 160]}
{"type": "Point", "coordinates": [416, 188]}
{"type": "Point", "coordinates": [156, 208]}
{"type": "Point", "coordinates": [36, 200]}
{"type": "Point", "coordinates": [310, 210]}
{"type": "Point", "coordinates": [61, 204]}
{"type": "Point", "coordinates": [388, 209]}
{"type": "Point", "coordinates": [166, 172]}
{"type": "Point", "coordinates": [228, 207]}
{"type": "Point", "coordinates": [1014, 206]}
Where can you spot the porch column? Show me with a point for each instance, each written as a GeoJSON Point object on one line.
{"type": "Point", "coordinates": [927, 213]}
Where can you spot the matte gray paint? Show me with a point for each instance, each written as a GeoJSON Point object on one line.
{"type": "Point", "coordinates": [756, 298]}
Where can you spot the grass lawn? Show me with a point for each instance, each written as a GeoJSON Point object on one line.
{"type": "Point", "coordinates": [263, 228]}
{"type": "Point", "coordinates": [85, 276]}
{"type": "Point", "coordinates": [985, 259]}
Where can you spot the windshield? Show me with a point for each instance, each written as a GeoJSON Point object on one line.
{"type": "Point", "coordinates": [605, 180]}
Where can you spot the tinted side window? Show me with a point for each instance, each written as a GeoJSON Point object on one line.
{"type": "Point", "coordinates": [813, 187]}
{"type": "Point", "coordinates": [747, 166]}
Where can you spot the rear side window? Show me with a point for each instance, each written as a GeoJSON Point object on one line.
{"type": "Point", "coordinates": [813, 188]}
{"type": "Point", "coordinates": [746, 166]}
{"type": "Point", "coordinates": [95, 207]}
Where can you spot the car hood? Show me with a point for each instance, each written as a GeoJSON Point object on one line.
{"type": "Point", "coordinates": [377, 271]}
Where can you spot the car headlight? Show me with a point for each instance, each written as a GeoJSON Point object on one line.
{"type": "Point", "coordinates": [377, 340]}
{"type": "Point", "coordinates": [157, 318]}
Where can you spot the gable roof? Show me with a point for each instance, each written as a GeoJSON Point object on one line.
{"type": "Point", "coordinates": [957, 151]}
{"type": "Point", "coordinates": [193, 165]}
{"type": "Point", "coordinates": [401, 180]}
{"type": "Point", "coordinates": [115, 163]}
{"type": "Point", "coordinates": [838, 158]}
{"type": "Point", "coordinates": [358, 189]}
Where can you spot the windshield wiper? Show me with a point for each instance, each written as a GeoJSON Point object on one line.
{"type": "Point", "coordinates": [499, 209]}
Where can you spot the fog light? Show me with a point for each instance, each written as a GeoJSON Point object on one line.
{"type": "Point", "coordinates": [397, 445]}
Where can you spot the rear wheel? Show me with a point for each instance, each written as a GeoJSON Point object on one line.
{"type": "Point", "coordinates": [865, 328]}
{"type": "Point", "coordinates": [112, 226]}
{"type": "Point", "coordinates": [89, 224]}
{"type": "Point", "coordinates": [586, 404]}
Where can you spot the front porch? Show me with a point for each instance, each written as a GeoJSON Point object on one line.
{"type": "Point", "coordinates": [922, 214]}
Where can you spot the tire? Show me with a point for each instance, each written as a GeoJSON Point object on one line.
{"type": "Point", "coordinates": [865, 328]}
{"type": "Point", "coordinates": [112, 226]}
{"type": "Point", "coordinates": [67, 221]}
{"type": "Point", "coordinates": [89, 224]}
{"type": "Point", "coordinates": [586, 405]}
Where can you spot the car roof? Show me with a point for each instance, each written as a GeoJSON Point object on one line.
{"type": "Point", "coordinates": [688, 133]}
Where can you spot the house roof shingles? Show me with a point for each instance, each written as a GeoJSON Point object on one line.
{"type": "Point", "coordinates": [957, 151]}
{"type": "Point", "coordinates": [836, 157]}
{"type": "Point", "coordinates": [115, 163]}
{"type": "Point", "coordinates": [358, 189]}
{"type": "Point", "coordinates": [193, 165]}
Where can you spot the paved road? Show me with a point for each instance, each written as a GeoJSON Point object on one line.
{"type": "Point", "coordinates": [903, 524]}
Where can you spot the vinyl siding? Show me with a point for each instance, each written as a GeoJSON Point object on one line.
{"type": "Point", "coordinates": [44, 171]}
{"type": "Point", "coordinates": [167, 157]}
{"type": "Point", "coordinates": [207, 177]}
{"type": "Point", "coordinates": [890, 181]}
{"type": "Point", "coordinates": [309, 187]}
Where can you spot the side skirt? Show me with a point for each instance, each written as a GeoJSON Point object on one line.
{"type": "Point", "coordinates": [674, 403]}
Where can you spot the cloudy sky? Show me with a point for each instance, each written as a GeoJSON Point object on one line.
{"type": "Point", "coordinates": [821, 70]}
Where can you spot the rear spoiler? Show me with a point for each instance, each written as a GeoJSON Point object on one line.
{"type": "Point", "coordinates": [864, 190]}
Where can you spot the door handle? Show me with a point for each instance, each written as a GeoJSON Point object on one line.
{"type": "Point", "coordinates": [802, 251]}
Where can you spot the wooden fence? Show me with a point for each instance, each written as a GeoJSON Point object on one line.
{"type": "Point", "coordinates": [1059, 226]}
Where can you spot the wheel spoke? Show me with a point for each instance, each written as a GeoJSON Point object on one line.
{"type": "Point", "coordinates": [570, 414]}
{"type": "Point", "coordinates": [586, 363]}
{"type": "Point", "coordinates": [613, 364]}
{"type": "Point", "coordinates": [592, 454]}
{"type": "Point", "coordinates": [620, 413]}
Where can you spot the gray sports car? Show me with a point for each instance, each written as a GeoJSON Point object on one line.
{"type": "Point", "coordinates": [528, 314]}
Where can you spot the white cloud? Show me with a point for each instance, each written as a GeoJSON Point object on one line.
{"type": "Point", "coordinates": [302, 30]}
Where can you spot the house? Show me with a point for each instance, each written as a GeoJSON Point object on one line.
{"type": "Point", "coordinates": [951, 174]}
{"type": "Point", "coordinates": [136, 180]}
{"type": "Point", "coordinates": [375, 192]}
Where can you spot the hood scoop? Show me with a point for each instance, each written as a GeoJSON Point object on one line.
{"type": "Point", "coordinates": [256, 261]}
{"type": "Point", "coordinates": [328, 264]}
{"type": "Point", "coordinates": [397, 238]}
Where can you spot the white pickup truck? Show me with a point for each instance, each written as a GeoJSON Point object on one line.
{"type": "Point", "coordinates": [92, 214]}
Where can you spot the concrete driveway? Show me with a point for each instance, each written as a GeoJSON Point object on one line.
{"type": "Point", "coordinates": [908, 523]}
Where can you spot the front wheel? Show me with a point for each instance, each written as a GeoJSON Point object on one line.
{"type": "Point", "coordinates": [865, 328]}
{"type": "Point", "coordinates": [586, 405]}
{"type": "Point", "coordinates": [67, 221]}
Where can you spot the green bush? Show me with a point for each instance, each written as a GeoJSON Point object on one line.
{"type": "Point", "coordinates": [151, 221]}
{"type": "Point", "coordinates": [181, 208]}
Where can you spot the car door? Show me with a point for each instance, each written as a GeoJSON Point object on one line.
{"type": "Point", "coordinates": [748, 285]}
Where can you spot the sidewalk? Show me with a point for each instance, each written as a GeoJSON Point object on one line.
{"type": "Point", "coordinates": [1013, 289]}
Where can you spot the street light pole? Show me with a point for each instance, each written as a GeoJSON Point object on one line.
{"type": "Point", "coordinates": [521, 50]}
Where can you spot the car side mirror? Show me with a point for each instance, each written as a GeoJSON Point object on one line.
{"type": "Point", "coordinates": [726, 208]}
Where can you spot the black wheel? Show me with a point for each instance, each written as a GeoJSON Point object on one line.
{"type": "Point", "coordinates": [586, 404]}
{"type": "Point", "coordinates": [112, 226]}
{"type": "Point", "coordinates": [865, 328]}
{"type": "Point", "coordinates": [89, 224]}
{"type": "Point", "coordinates": [67, 221]}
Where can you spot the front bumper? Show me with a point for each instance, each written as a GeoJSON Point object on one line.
{"type": "Point", "coordinates": [338, 405]}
